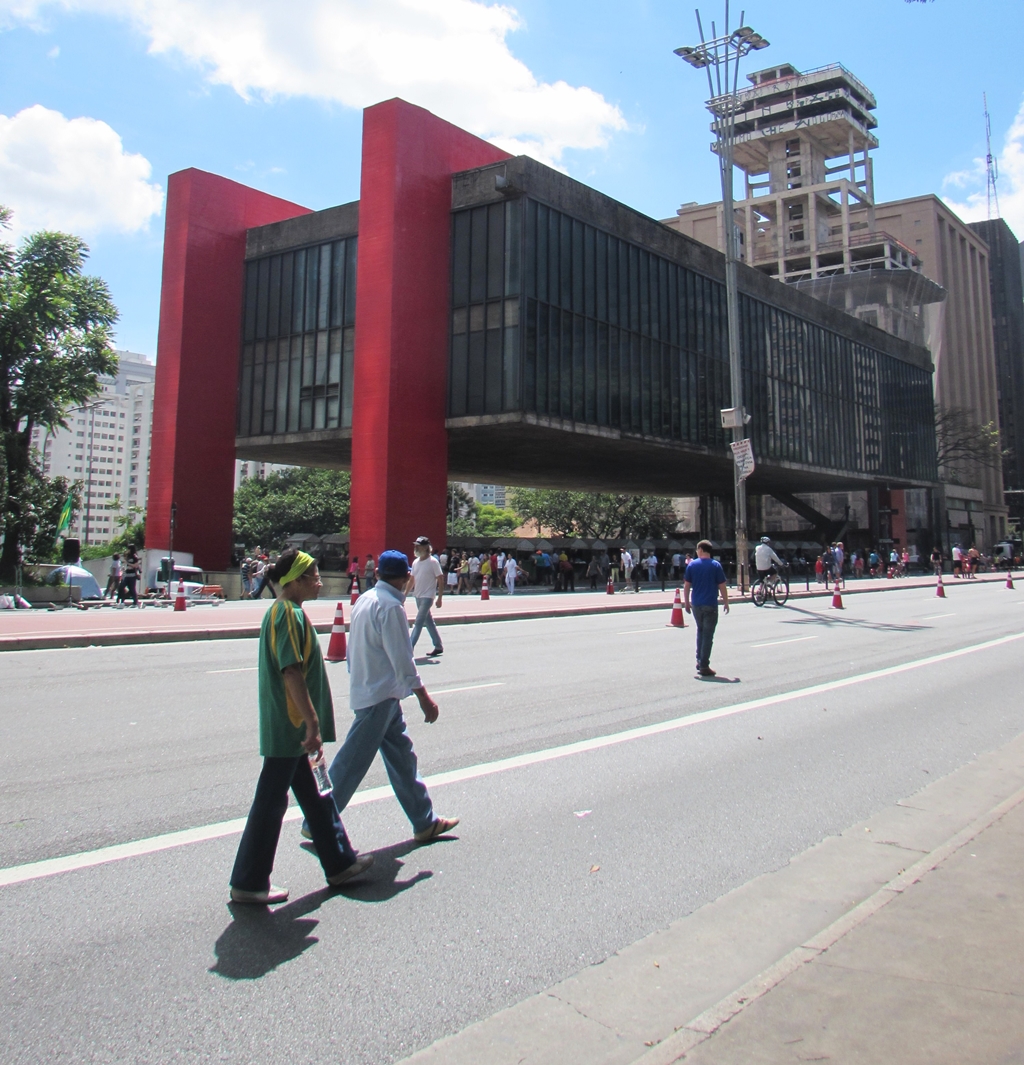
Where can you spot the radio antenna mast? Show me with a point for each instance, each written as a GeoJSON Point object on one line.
{"type": "Point", "coordinates": [991, 167]}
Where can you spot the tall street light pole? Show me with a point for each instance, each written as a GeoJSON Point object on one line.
{"type": "Point", "coordinates": [722, 54]}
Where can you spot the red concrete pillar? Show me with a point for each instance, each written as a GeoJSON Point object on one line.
{"type": "Point", "coordinates": [898, 502]}
{"type": "Point", "coordinates": [193, 447]}
{"type": "Point", "coordinates": [399, 440]}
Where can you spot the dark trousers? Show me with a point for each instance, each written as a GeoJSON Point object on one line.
{"type": "Point", "coordinates": [705, 618]}
{"type": "Point", "coordinates": [255, 859]}
{"type": "Point", "coordinates": [128, 589]}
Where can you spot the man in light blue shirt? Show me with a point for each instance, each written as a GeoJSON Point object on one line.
{"type": "Point", "coordinates": [382, 673]}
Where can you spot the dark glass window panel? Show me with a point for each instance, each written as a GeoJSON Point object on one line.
{"type": "Point", "coordinates": [512, 312]}
{"type": "Point", "coordinates": [565, 365]}
{"type": "Point", "coordinates": [513, 247]}
{"type": "Point", "coordinates": [646, 386]}
{"type": "Point", "coordinates": [634, 288]}
{"type": "Point", "coordinates": [281, 417]}
{"type": "Point", "coordinates": [287, 269]}
{"type": "Point", "coordinates": [245, 392]}
{"type": "Point", "coordinates": [590, 374]}
{"type": "Point", "coordinates": [347, 376]}
{"type": "Point", "coordinates": [252, 271]}
{"type": "Point", "coordinates": [478, 255]}
{"type": "Point", "coordinates": [298, 291]}
{"type": "Point", "coordinates": [274, 311]}
{"type": "Point", "coordinates": [475, 376]}
{"type": "Point", "coordinates": [578, 368]}
{"type": "Point", "coordinates": [262, 298]}
{"type": "Point", "coordinates": [494, 315]}
{"type": "Point", "coordinates": [543, 348]}
{"type": "Point", "coordinates": [312, 285]}
{"type": "Point", "coordinates": [589, 287]}
{"type": "Point", "coordinates": [256, 422]}
{"type": "Point", "coordinates": [554, 258]}
{"type": "Point", "coordinates": [530, 356]}
{"type": "Point", "coordinates": [644, 291]}
{"type": "Point", "coordinates": [337, 283]}
{"type": "Point", "coordinates": [350, 280]}
{"type": "Point", "coordinates": [308, 367]}
{"type": "Point", "coordinates": [623, 319]}
{"type": "Point", "coordinates": [635, 385]}
{"type": "Point", "coordinates": [460, 320]}
{"type": "Point", "coordinates": [510, 366]}
{"type": "Point", "coordinates": [530, 250]}
{"type": "Point", "coordinates": [324, 296]}
{"type": "Point", "coordinates": [601, 277]}
{"type": "Point", "coordinates": [613, 281]}
{"type": "Point", "coordinates": [294, 385]}
{"type": "Point", "coordinates": [320, 377]}
{"type": "Point", "coordinates": [565, 262]}
{"type": "Point", "coordinates": [614, 369]}
{"type": "Point", "coordinates": [541, 256]}
{"type": "Point", "coordinates": [602, 374]}
{"type": "Point", "coordinates": [269, 387]}
{"type": "Point", "coordinates": [460, 259]}
{"type": "Point", "coordinates": [495, 250]}
{"type": "Point", "coordinates": [492, 371]}
{"type": "Point", "coordinates": [578, 302]}
{"type": "Point", "coordinates": [476, 318]}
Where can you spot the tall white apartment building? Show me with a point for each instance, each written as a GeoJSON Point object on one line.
{"type": "Point", "coordinates": [247, 469]}
{"type": "Point", "coordinates": [106, 447]}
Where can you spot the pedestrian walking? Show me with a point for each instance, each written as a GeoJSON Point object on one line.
{"type": "Point", "coordinates": [936, 560]}
{"type": "Point", "coordinates": [369, 568]}
{"type": "Point", "coordinates": [132, 573]}
{"type": "Point", "coordinates": [245, 572]}
{"type": "Point", "coordinates": [114, 576]}
{"type": "Point", "coordinates": [958, 560]}
{"type": "Point", "coordinates": [512, 571]}
{"type": "Point", "coordinates": [594, 573]}
{"type": "Point", "coordinates": [296, 717]}
{"type": "Point", "coordinates": [703, 581]}
{"type": "Point", "coordinates": [382, 673]}
{"type": "Point", "coordinates": [626, 559]}
{"type": "Point", "coordinates": [426, 582]}
{"type": "Point", "coordinates": [652, 567]}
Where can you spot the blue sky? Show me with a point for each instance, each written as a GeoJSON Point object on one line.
{"type": "Point", "coordinates": [101, 99]}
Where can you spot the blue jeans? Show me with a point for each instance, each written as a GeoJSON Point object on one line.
{"type": "Point", "coordinates": [255, 859]}
{"type": "Point", "coordinates": [382, 728]}
{"type": "Point", "coordinates": [425, 621]}
{"type": "Point", "coordinates": [705, 618]}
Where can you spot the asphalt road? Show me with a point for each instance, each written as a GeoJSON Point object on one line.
{"type": "Point", "coordinates": [141, 961]}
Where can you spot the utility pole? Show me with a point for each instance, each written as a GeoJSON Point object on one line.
{"type": "Point", "coordinates": [991, 166]}
{"type": "Point", "coordinates": [722, 54]}
{"type": "Point", "coordinates": [170, 549]}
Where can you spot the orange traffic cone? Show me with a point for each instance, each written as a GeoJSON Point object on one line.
{"type": "Point", "coordinates": [837, 599]}
{"type": "Point", "coordinates": [353, 590]}
{"type": "Point", "coordinates": [485, 588]}
{"type": "Point", "coordinates": [1009, 580]}
{"type": "Point", "coordinates": [678, 621]}
{"type": "Point", "coordinates": [179, 602]}
{"type": "Point", "coordinates": [940, 592]}
{"type": "Point", "coordinates": [337, 649]}
{"type": "Point", "coordinates": [611, 587]}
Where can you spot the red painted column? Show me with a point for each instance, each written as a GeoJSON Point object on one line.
{"type": "Point", "coordinates": [194, 412]}
{"type": "Point", "coordinates": [399, 440]}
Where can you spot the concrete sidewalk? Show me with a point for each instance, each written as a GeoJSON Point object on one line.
{"type": "Point", "coordinates": [28, 630]}
{"type": "Point", "coordinates": [898, 941]}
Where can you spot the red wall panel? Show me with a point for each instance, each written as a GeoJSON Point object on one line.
{"type": "Point", "coordinates": [193, 448]}
{"type": "Point", "coordinates": [399, 440]}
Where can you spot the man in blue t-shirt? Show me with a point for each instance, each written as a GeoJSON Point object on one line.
{"type": "Point", "coordinates": [703, 580]}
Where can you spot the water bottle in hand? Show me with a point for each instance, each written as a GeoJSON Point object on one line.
{"type": "Point", "coordinates": [320, 774]}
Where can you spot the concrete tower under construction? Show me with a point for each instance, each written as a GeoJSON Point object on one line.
{"type": "Point", "coordinates": [803, 141]}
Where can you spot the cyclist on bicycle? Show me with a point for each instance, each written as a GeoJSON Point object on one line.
{"type": "Point", "coordinates": [764, 557]}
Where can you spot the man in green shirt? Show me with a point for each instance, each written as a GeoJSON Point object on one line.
{"type": "Point", "coordinates": [296, 716]}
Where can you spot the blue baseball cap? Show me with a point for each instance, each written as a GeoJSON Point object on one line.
{"type": "Point", "coordinates": [392, 564]}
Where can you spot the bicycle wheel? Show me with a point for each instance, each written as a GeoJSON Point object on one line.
{"type": "Point", "coordinates": [780, 591]}
{"type": "Point", "coordinates": [758, 593]}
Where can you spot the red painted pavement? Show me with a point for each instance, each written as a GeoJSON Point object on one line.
{"type": "Point", "coordinates": [193, 449]}
{"type": "Point", "coordinates": [399, 440]}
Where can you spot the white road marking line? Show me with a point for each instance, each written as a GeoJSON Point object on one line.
{"type": "Point", "coordinates": [241, 669]}
{"type": "Point", "coordinates": [777, 643]}
{"type": "Point", "coordinates": [468, 688]}
{"type": "Point", "coordinates": [629, 632]}
{"type": "Point", "coordinates": [932, 617]}
{"type": "Point", "coordinates": [17, 874]}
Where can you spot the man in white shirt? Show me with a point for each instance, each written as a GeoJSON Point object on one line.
{"type": "Point", "coordinates": [474, 571]}
{"type": "Point", "coordinates": [512, 569]}
{"type": "Point", "coordinates": [426, 581]}
{"type": "Point", "coordinates": [764, 556]}
{"type": "Point", "coordinates": [627, 566]}
{"type": "Point", "coordinates": [382, 673]}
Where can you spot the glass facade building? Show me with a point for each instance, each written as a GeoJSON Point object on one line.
{"type": "Point", "coordinates": [561, 318]}
{"type": "Point", "coordinates": [298, 339]}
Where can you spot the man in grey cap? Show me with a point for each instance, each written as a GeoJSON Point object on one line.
{"type": "Point", "coordinates": [426, 582]}
{"type": "Point", "coordinates": [383, 673]}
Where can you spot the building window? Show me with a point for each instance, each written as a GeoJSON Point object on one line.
{"type": "Point", "coordinates": [299, 341]}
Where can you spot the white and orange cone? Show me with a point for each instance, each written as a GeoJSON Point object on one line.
{"type": "Point", "coordinates": [1009, 580]}
{"type": "Point", "coordinates": [485, 588]}
{"type": "Point", "coordinates": [179, 601]}
{"type": "Point", "coordinates": [353, 591]}
{"type": "Point", "coordinates": [940, 592]}
{"type": "Point", "coordinates": [678, 620]}
{"type": "Point", "coordinates": [837, 598]}
{"type": "Point", "coordinates": [611, 587]}
{"type": "Point", "coordinates": [337, 648]}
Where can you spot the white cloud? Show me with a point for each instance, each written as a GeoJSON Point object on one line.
{"type": "Point", "coordinates": [72, 174]}
{"type": "Point", "coordinates": [450, 56]}
{"type": "Point", "coordinates": [974, 206]}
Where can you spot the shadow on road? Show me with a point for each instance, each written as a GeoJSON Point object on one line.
{"type": "Point", "coordinates": [381, 881]}
{"type": "Point", "coordinates": [813, 617]}
{"type": "Point", "coordinates": [259, 938]}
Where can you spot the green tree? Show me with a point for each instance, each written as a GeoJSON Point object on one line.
{"type": "Point", "coordinates": [42, 501]}
{"type": "Point", "coordinates": [461, 511]}
{"type": "Point", "coordinates": [303, 500]}
{"type": "Point", "coordinates": [594, 514]}
{"type": "Point", "coordinates": [55, 335]}
{"type": "Point", "coordinates": [495, 521]}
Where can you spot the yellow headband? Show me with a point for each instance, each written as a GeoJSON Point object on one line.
{"type": "Point", "coordinates": [299, 566]}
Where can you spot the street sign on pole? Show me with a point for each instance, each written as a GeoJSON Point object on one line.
{"type": "Point", "coordinates": [743, 456]}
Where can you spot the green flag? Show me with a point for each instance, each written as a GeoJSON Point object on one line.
{"type": "Point", "coordinates": [65, 517]}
